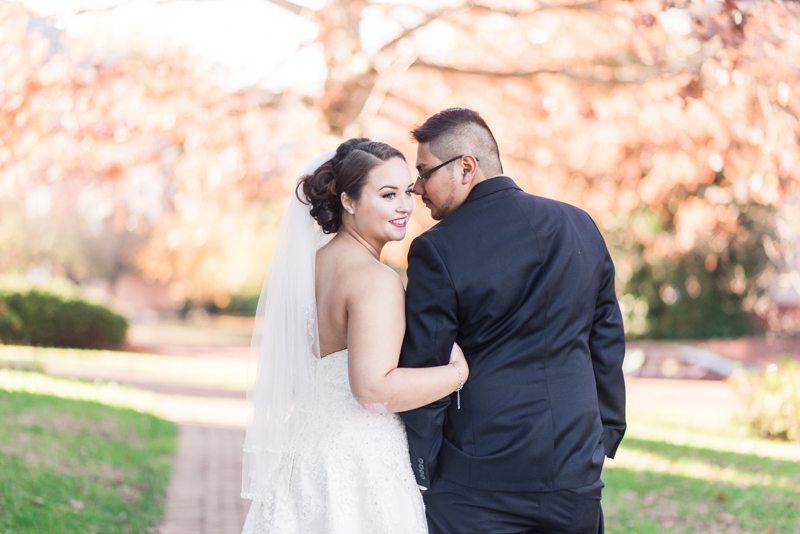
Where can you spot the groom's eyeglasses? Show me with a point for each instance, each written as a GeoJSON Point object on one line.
{"type": "Point", "coordinates": [424, 175]}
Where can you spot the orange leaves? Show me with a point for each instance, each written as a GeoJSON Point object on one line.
{"type": "Point", "coordinates": [140, 164]}
{"type": "Point", "coordinates": [693, 89]}
{"type": "Point", "coordinates": [765, 189]}
{"type": "Point", "coordinates": [694, 217]}
{"type": "Point", "coordinates": [669, 170]}
{"type": "Point", "coordinates": [654, 187]}
{"type": "Point", "coordinates": [113, 171]}
{"type": "Point", "coordinates": [632, 110]}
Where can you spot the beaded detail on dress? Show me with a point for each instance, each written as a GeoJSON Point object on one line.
{"type": "Point", "coordinates": [349, 474]}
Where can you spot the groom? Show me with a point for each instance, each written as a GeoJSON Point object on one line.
{"type": "Point", "coordinates": [525, 285]}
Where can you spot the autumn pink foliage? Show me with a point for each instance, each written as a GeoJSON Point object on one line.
{"type": "Point", "coordinates": [136, 164]}
{"type": "Point", "coordinates": [673, 124]}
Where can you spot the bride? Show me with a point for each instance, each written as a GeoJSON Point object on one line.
{"type": "Point", "coordinates": [325, 451]}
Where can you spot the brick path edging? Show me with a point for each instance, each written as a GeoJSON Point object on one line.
{"type": "Point", "coordinates": [203, 493]}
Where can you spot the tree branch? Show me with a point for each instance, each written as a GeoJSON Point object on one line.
{"type": "Point", "coordinates": [430, 18]}
{"type": "Point", "coordinates": [566, 71]}
{"type": "Point", "coordinates": [471, 5]}
{"type": "Point", "coordinates": [403, 99]}
{"type": "Point", "coordinates": [289, 6]}
{"type": "Point", "coordinates": [542, 7]}
{"type": "Point", "coordinates": [115, 6]}
{"type": "Point", "coordinates": [378, 94]}
{"type": "Point", "coordinates": [285, 4]}
{"type": "Point", "coordinates": [484, 73]}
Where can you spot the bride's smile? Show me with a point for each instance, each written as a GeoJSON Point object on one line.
{"type": "Point", "coordinates": [381, 212]}
{"type": "Point", "coordinates": [400, 223]}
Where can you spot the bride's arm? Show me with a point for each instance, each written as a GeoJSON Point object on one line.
{"type": "Point", "coordinates": [376, 325]}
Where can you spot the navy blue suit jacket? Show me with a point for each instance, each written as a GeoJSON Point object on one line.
{"type": "Point", "coordinates": [525, 285]}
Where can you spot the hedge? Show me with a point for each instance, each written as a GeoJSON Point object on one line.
{"type": "Point", "coordinates": [41, 318]}
{"type": "Point", "coordinates": [773, 400]}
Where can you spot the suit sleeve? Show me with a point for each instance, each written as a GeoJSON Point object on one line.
{"type": "Point", "coordinates": [607, 345]}
{"type": "Point", "coordinates": [431, 329]}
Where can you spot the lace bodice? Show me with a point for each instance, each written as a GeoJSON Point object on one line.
{"type": "Point", "coordinates": [333, 381]}
{"type": "Point", "coordinates": [350, 472]}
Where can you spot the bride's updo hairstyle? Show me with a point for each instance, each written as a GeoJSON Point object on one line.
{"type": "Point", "coordinates": [346, 173]}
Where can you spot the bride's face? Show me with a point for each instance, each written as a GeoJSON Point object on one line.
{"type": "Point", "coordinates": [382, 212]}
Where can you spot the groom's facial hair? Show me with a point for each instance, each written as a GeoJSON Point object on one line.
{"type": "Point", "coordinates": [444, 211]}
{"type": "Point", "coordinates": [439, 212]}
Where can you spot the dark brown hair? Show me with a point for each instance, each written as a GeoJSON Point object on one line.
{"type": "Point", "coordinates": [347, 173]}
{"type": "Point", "coordinates": [458, 130]}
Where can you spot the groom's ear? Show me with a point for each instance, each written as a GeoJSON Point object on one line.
{"type": "Point", "coordinates": [469, 168]}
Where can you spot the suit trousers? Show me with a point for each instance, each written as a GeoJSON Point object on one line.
{"type": "Point", "coordinates": [456, 509]}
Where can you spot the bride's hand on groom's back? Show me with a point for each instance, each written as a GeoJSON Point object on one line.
{"type": "Point", "coordinates": [457, 358]}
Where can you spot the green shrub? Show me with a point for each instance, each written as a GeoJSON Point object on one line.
{"type": "Point", "coordinates": [773, 400]}
{"type": "Point", "coordinates": [242, 305]}
{"type": "Point", "coordinates": [709, 291]}
{"type": "Point", "coordinates": [34, 317]}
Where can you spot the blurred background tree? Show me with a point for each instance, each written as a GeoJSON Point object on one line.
{"type": "Point", "coordinates": [674, 124]}
{"type": "Point", "coordinates": [138, 164]}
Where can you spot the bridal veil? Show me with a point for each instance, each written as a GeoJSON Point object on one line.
{"type": "Point", "coordinates": [285, 342]}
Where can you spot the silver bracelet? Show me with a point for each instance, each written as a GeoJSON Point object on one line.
{"type": "Point", "coordinates": [458, 391]}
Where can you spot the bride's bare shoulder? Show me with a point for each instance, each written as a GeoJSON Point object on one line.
{"type": "Point", "coordinates": [376, 275]}
{"type": "Point", "coordinates": [373, 290]}
{"type": "Point", "coordinates": [357, 272]}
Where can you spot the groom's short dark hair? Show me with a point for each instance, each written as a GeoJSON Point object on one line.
{"type": "Point", "coordinates": [460, 130]}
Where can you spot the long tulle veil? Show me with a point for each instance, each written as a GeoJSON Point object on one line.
{"type": "Point", "coordinates": [285, 342]}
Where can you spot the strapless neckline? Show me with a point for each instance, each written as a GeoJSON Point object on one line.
{"type": "Point", "coordinates": [343, 351]}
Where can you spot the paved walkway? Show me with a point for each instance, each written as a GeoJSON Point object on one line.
{"type": "Point", "coordinates": [206, 479]}
{"type": "Point", "coordinates": [205, 483]}
{"type": "Point", "coordinates": [203, 494]}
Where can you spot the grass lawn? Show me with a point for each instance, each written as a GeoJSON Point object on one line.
{"type": "Point", "coordinates": [221, 373]}
{"type": "Point", "coordinates": [76, 466]}
{"type": "Point", "coordinates": [690, 464]}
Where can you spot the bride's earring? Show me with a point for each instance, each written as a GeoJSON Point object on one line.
{"type": "Point", "coordinates": [351, 212]}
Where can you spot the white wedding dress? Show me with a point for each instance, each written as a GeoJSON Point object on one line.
{"type": "Point", "coordinates": [315, 461]}
{"type": "Point", "coordinates": [349, 473]}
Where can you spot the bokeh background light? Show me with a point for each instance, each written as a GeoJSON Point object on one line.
{"type": "Point", "coordinates": [152, 143]}
{"type": "Point", "coordinates": [148, 147]}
